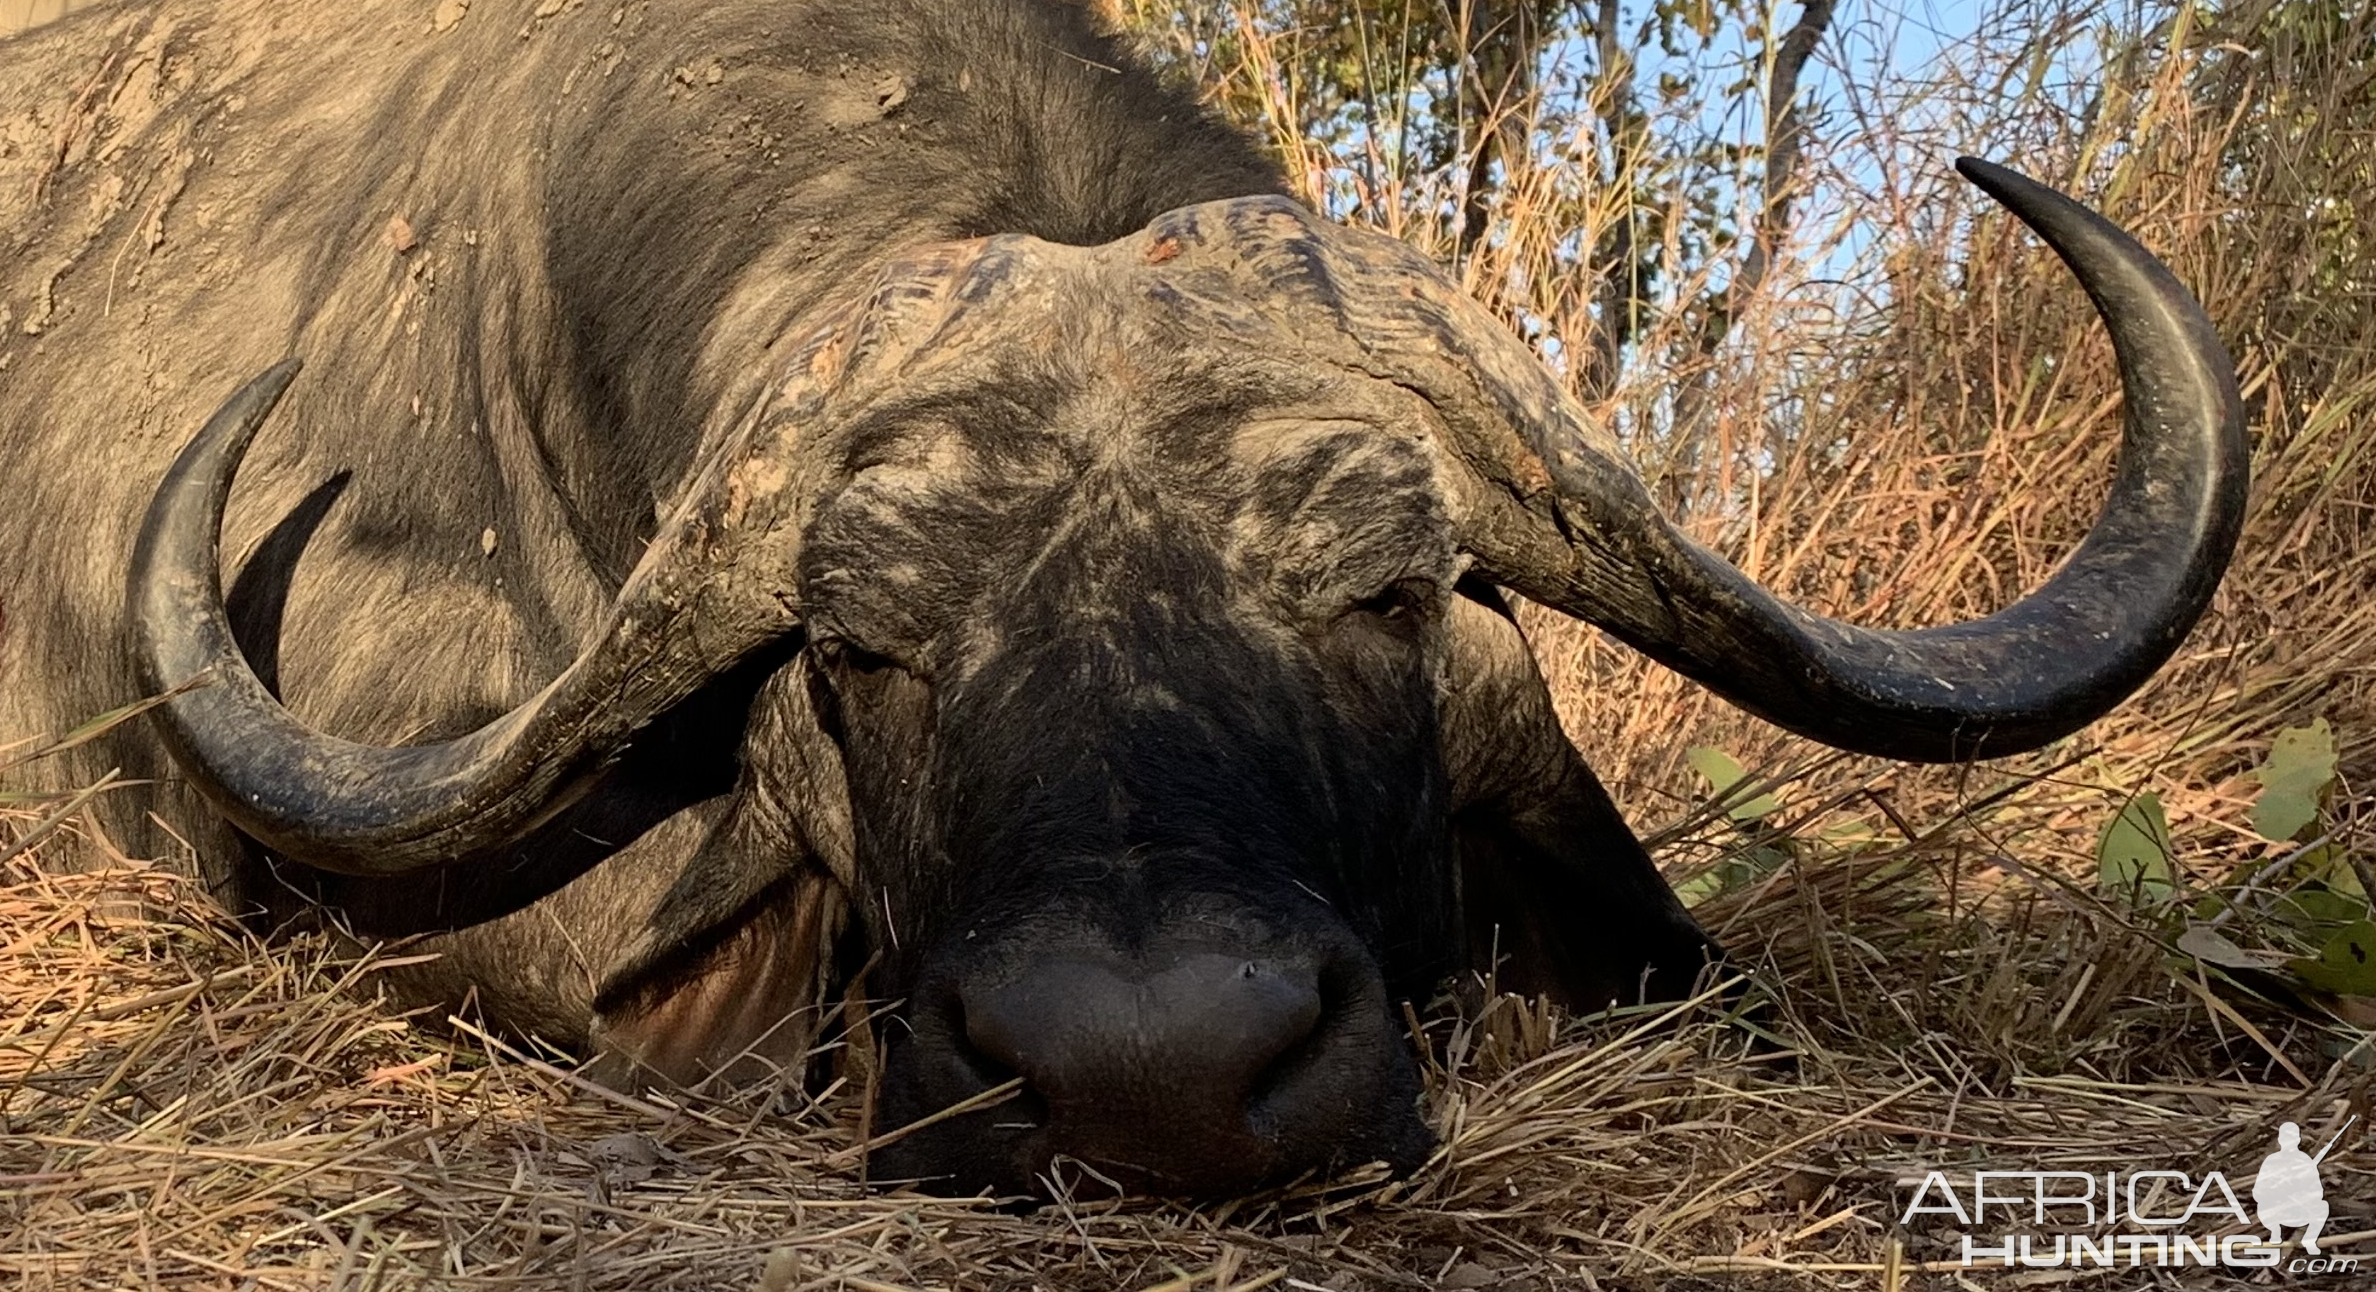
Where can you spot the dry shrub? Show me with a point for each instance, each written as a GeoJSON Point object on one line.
{"type": "Point", "coordinates": [1914, 415]}
{"type": "Point", "coordinates": [1910, 420]}
{"type": "Point", "coordinates": [1938, 454]}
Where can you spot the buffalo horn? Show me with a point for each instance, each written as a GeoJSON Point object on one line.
{"type": "Point", "coordinates": [715, 584]}
{"type": "Point", "coordinates": [1552, 510]}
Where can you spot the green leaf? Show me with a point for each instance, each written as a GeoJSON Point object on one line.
{"type": "Point", "coordinates": [2205, 944]}
{"type": "Point", "coordinates": [2300, 766]}
{"type": "Point", "coordinates": [1699, 888]}
{"type": "Point", "coordinates": [1736, 871]}
{"type": "Point", "coordinates": [2311, 907]}
{"type": "Point", "coordinates": [1849, 836]}
{"type": "Point", "coordinates": [2333, 868]}
{"type": "Point", "coordinates": [1722, 774]}
{"type": "Point", "coordinates": [2347, 967]}
{"type": "Point", "coordinates": [2133, 855]}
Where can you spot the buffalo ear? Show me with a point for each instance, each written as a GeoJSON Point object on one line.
{"type": "Point", "coordinates": [1557, 897]}
{"type": "Point", "coordinates": [731, 970]}
{"type": "Point", "coordinates": [738, 997]}
{"type": "Point", "coordinates": [1558, 900]}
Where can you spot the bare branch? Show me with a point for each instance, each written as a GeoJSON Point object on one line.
{"type": "Point", "coordinates": [1785, 136]}
{"type": "Point", "coordinates": [1499, 54]}
{"type": "Point", "coordinates": [1612, 265]}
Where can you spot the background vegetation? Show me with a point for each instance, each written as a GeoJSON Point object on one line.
{"type": "Point", "coordinates": [1734, 231]}
{"type": "Point", "coordinates": [1843, 368]}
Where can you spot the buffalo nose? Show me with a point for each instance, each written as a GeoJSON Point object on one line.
{"type": "Point", "coordinates": [1152, 1067]}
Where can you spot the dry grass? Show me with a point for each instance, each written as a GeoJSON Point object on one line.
{"type": "Point", "coordinates": [1915, 415]}
{"type": "Point", "coordinates": [185, 1108]}
{"type": "Point", "coordinates": [1911, 420]}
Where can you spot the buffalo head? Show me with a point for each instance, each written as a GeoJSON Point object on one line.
{"type": "Point", "coordinates": [1128, 587]}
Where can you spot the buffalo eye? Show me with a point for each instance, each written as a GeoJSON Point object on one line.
{"type": "Point", "coordinates": [848, 659]}
{"type": "Point", "coordinates": [845, 673]}
{"type": "Point", "coordinates": [1400, 606]}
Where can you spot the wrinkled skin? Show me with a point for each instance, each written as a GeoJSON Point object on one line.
{"type": "Point", "coordinates": [1174, 665]}
{"type": "Point", "coordinates": [1104, 656]}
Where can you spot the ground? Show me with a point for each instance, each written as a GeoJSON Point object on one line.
{"type": "Point", "coordinates": [183, 1108]}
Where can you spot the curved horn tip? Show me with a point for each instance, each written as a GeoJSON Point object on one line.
{"type": "Point", "coordinates": [243, 414]}
{"type": "Point", "coordinates": [2011, 189]}
{"type": "Point", "coordinates": [269, 385]}
{"type": "Point", "coordinates": [282, 373]}
{"type": "Point", "coordinates": [1983, 172]}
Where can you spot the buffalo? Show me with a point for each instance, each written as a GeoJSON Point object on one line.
{"type": "Point", "coordinates": [786, 494]}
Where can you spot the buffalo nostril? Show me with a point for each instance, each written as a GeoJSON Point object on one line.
{"type": "Point", "coordinates": [1178, 1071]}
{"type": "Point", "coordinates": [1109, 1042]}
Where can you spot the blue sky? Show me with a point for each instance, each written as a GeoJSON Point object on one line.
{"type": "Point", "coordinates": [1875, 126]}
